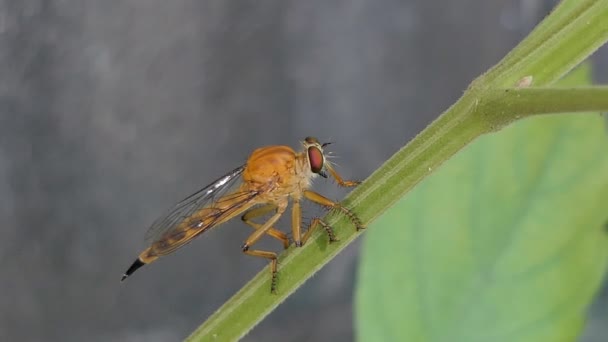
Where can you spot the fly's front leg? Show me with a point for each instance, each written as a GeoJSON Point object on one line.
{"type": "Point", "coordinates": [338, 178]}
{"type": "Point", "coordinates": [261, 211]}
{"type": "Point", "coordinates": [326, 202]}
{"type": "Point", "coordinates": [253, 238]}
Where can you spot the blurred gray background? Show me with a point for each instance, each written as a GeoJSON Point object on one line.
{"type": "Point", "coordinates": [111, 111]}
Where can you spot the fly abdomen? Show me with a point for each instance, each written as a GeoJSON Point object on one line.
{"type": "Point", "coordinates": [136, 264]}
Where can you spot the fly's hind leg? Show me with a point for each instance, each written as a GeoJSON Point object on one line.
{"type": "Point", "coordinates": [253, 238]}
{"type": "Point", "coordinates": [326, 202]}
{"type": "Point", "coordinates": [261, 211]}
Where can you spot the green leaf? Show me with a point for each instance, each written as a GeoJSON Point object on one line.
{"type": "Point", "coordinates": [506, 242]}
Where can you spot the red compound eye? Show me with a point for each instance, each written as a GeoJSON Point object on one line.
{"type": "Point", "coordinates": [315, 156]}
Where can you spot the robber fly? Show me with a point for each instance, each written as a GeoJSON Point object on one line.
{"type": "Point", "coordinates": [271, 177]}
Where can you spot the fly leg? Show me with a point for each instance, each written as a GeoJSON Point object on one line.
{"type": "Point", "coordinates": [313, 224]}
{"type": "Point", "coordinates": [296, 222]}
{"type": "Point", "coordinates": [253, 238]}
{"type": "Point", "coordinates": [261, 211]}
{"type": "Point", "coordinates": [338, 178]}
{"type": "Point", "coordinates": [326, 202]}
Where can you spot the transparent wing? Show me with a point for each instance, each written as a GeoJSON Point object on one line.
{"type": "Point", "coordinates": [199, 211]}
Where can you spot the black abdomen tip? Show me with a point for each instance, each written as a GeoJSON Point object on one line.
{"type": "Point", "coordinates": [136, 264]}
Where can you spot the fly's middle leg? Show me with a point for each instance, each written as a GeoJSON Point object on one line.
{"type": "Point", "coordinates": [326, 202]}
{"type": "Point", "coordinates": [296, 222]}
{"type": "Point", "coordinates": [318, 222]}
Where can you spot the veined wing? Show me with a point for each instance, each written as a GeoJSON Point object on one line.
{"type": "Point", "coordinates": [198, 212]}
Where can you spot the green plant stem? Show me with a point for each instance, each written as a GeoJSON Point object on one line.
{"type": "Point", "coordinates": [568, 36]}
{"type": "Point", "coordinates": [468, 119]}
{"type": "Point", "coordinates": [573, 31]}
{"type": "Point", "coordinates": [521, 103]}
